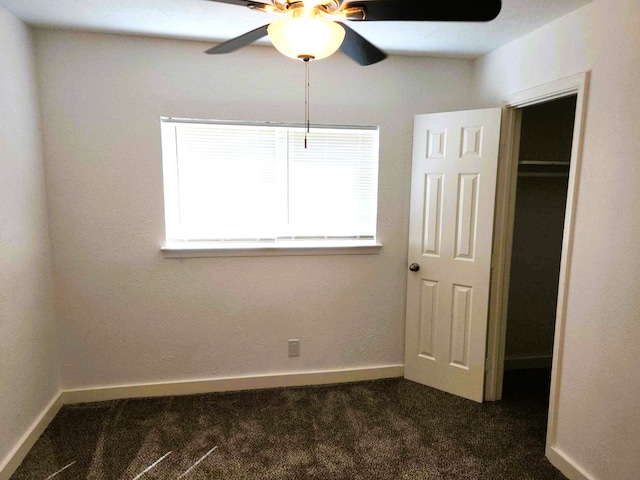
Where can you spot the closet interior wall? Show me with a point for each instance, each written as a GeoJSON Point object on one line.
{"type": "Point", "coordinates": [543, 166]}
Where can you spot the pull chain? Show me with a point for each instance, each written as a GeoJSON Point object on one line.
{"type": "Point", "coordinates": [306, 99]}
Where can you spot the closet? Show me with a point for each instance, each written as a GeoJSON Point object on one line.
{"type": "Point", "coordinates": [543, 172]}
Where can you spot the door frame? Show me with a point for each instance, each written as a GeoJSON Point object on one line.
{"type": "Point", "coordinates": [503, 233]}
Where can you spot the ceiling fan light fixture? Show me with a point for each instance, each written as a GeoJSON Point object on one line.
{"type": "Point", "coordinates": [306, 38]}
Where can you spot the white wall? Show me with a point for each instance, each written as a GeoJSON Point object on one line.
{"type": "Point", "coordinates": [127, 315]}
{"type": "Point", "coordinates": [28, 352]}
{"type": "Point", "coordinates": [599, 410]}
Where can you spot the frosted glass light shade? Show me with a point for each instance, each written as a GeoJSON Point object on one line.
{"type": "Point", "coordinates": [304, 37]}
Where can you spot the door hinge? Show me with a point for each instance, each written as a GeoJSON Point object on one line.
{"type": "Point", "coordinates": [501, 149]}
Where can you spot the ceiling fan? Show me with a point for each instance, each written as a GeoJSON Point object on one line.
{"type": "Point", "coordinates": [314, 29]}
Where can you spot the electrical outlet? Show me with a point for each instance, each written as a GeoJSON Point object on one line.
{"type": "Point", "coordinates": [294, 347]}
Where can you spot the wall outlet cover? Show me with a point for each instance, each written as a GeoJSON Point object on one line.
{"type": "Point", "coordinates": [294, 347]}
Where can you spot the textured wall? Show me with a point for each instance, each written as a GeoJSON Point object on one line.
{"type": "Point", "coordinates": [28, 354]}
{"type": "Point", "coordinates": [598, 410]}
{"type": "Point", "coordinates": [127, 315]}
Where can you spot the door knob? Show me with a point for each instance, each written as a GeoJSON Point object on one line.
{"type": "Point", "coordinates": [414, 267]}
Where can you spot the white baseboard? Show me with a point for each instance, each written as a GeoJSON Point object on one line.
{"type": "Point", "coordinates": [230, 384]}
{"type": "Point", "coordinates": [523, 363]}
{"type": "Point", "coordinates": [567, 466]}
{"type": "Point", "coordinates": [13, 460]}
{"type": "Point", "coordinates": [17, 455]}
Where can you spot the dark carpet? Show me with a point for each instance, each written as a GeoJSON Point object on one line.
{"type": "Point", "coordinates": [386, 429]}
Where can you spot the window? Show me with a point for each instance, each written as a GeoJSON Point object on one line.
{"type": "Point", "coordinates": [240, 185]}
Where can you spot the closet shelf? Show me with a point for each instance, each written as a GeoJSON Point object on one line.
{"type": "Point", "coordinates": [542, 174]}
{"type": "Point", "coordinates": [541, 168]}
{"type": "Point", "coordinates": [542, 162]}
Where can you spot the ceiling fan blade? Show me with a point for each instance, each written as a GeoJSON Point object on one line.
{"type": "Point", "coordinates": [359, 49]}
{"type": "Point", "coordinates": [243, 3]}
{"type": "Point", "coordinates": [239, 42]}
{"type": "Point", "coordinates": [431, 11]}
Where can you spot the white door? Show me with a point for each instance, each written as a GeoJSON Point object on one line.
{"type": "Point", "coordinates": [453, 187]}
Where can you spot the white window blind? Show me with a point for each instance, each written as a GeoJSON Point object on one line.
{"type": "Point", "coordinates": [256, 183]}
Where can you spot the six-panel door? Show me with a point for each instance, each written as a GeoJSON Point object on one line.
{"type": "Point", "coordinates": [455, 159]}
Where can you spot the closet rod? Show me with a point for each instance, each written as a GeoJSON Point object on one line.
{"type": "Point", "coordinates": [542, 174]}
{"type": "Point", "coordinates": [541, 162]}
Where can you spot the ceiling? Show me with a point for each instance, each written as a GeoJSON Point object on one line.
{"type": "Point", "coordinates": [215, 22]}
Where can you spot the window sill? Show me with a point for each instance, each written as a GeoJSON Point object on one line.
{"type": "Point", "coordinates": [203, 250]}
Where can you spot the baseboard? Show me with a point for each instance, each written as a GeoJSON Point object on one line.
{"type": "Point", "coordinates": [557, 458]}
{"type": "Point", "coordinates": [13, 460]}
{"type": "Point", "coordinates": [523, 363]}
{"type": "Point", "coordinates": [230, 384]}
{"type": "Point", "coordinates": [567, 466]}
{"type": "Point", "coordinates": [17, 455]}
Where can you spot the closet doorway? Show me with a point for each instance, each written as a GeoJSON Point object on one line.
{"type": "Point", "coordinates": [544, 159]}
{"type": "Point", "coordinates": [527, 177]}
